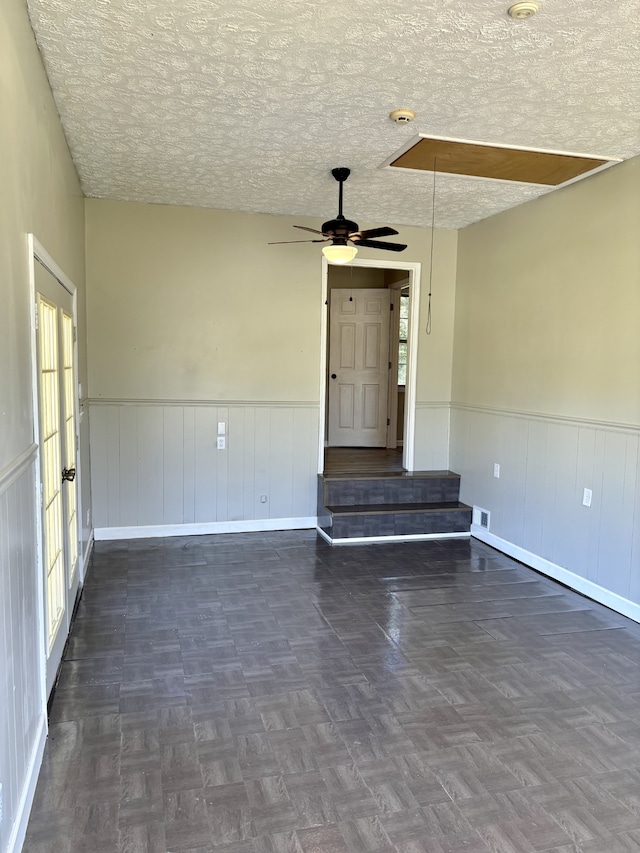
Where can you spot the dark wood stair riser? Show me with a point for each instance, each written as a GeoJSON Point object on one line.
{"type": "Point", "coordinates": [420, 487]}
{"type": "Point", "coordinates": [357, 525]}
{"type": "Point", "coordinates": [364, 506]}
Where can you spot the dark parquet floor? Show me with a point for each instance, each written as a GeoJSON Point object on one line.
{"type": "Point", "coordinates": [265, 693]}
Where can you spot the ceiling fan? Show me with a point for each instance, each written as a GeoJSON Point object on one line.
{"type": "Point", "coordinates": [341, 232]}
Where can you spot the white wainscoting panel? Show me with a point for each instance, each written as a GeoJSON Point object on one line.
{"type": "Point", "coordinates": [157, 464]}
{"type": "Point", "coordinates": [536, 504]}
{"type": "Point", "coordinates": [432, 437]}
{"type": "Point", "coordinates": [22, 705]}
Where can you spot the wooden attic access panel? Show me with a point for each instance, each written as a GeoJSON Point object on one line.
{"type": "Point", "coordinates": [488, 161]}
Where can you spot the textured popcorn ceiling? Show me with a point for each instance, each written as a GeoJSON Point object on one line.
{"type": "Point", "coordinates": [248, 105]}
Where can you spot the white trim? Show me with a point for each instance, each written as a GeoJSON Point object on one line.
{"type": "Point", "coordinates": [633, 429]}
{"type": "Point", "coordinates": [546, 567]}
{"type": "Point", "coordinates": [324, 333]}
{"type": "Point", "coordinates": [19, 829]}
{"type": "Point", "coordinates": [414, 271]}
{"type": "Point", "coordinates": [410, 386]}
{"type": "Point", "coordinates": [395, 294]}
{"type": "Point", "coordinates": [37, 250]}
{"type": "Point", "coordinates": [38, 254]}
{"type": "Point", "coordinates": [386, 164]}
{"type": "Point", "coordinates": [413, 537]}
{"type": "Point", "coordinates": [87, 556]}
{"type": "Point", "coordinates": [221, 404]}
{"type": "Point", "coordinates": [43, 257]}
{"type": "Point", "coordinates": [14, 470]}
{"type": "Point", "coordinates": [206, 528]}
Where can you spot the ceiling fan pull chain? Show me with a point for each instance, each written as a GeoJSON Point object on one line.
{"type": "Point", "coordinates": [433, 221]}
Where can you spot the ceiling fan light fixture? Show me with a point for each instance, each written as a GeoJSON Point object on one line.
{"type": "Point", "coordinates": [340, 254]}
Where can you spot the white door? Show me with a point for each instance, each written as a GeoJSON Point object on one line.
{"type": "Point", "coordinates": [358, 367]}
{"type": "Point", "coordinates": [57, 442]}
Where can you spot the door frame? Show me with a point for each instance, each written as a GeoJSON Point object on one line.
{"type": "Point", "coordinates": [394, 341]}
{"type": "Point", "coordinates": [413, 271]}
{"type": "Point", "coordinates": [39, 255]}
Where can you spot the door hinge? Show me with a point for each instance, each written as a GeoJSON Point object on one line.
{"type": "Point", "coordinates": [75, 334]}
{"type": "Point", "coordinates": [36, 315]}
{"type": "Point", "coordinates": [391, 306]}
{"type": "Point", "coordinates": [388, 421]}
{"type": "Point", "coordinates": [389, 365]}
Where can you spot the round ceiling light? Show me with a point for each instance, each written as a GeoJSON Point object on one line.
{"type": "Point", "coordinates": [522, 11]}
{"type": "Point", "coordinates": [339, 254]}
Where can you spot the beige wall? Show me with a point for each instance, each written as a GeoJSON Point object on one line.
{"type": "Point", "coordinates": [191, 304]}
{"type": "Point", "coordinates": [355, 277]}
{"type": "Point", "coordinates": [547, 382]}
{"type": "Point", "coordinates": [548, 297]}
{"type": "Point", "coordinates": [40, 193]}
{"type": "Point", "coordinates": [193, 319]}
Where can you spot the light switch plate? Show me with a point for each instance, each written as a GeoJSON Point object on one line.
{"type": "Point", "coordinates": [586, 497]}
{"type": "Point", "coordinates": [496, 470]}
{"type": "Point", "coordinates": [222, 428]}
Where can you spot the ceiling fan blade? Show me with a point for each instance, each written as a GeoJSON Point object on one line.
{"type": "Point", "coordinates": [313, 230]}
{"type": "Point", "coordinates": [281, 242]}
{"type": "Point", "coordinates": [378, 244]}
{"type": "Point", "coordinates": [373, 232]}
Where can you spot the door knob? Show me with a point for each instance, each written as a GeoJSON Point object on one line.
{"type": "Point", "coordinates": [68, 474]}
{"type": "Point", "coordinates": [334, 376]}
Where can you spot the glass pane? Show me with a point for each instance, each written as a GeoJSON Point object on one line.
{"type": "Point", "coordinates": [402, 363]}
{"type": "Point", "coordinates": [403, 328]}
{"type": "Point", "coordinates": [404, 307]}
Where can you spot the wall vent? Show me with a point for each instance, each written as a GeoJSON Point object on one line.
{"type": "Point", "coordinates": [481, 517]}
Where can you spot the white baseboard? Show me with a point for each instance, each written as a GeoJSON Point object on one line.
{"type": "Point", "coordinates": [546, 567]}
{"type": "Point", "coordinates": [368, 540]}
{"type": "Point", "coordinates": [258, 525]}
{"type": "Point", "coordinates": [19, 829]}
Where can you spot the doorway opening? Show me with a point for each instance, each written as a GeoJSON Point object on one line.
{"type": "Point", "coordinates": [368, 380]}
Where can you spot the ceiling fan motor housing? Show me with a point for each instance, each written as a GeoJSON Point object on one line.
{"type": "Point", "coordinates": [340, 228]}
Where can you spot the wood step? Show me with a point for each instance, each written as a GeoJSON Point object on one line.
{"type": "Point", "coordinates": [365, 521]}
{"type": "Point", "coordinates": [415, 487]}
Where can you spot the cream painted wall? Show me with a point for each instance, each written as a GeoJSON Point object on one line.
{"type": "Point", "coordinates": [549, 303]}
{"type": "Point", "coordinates": [190, 308]}
{"type": "Point", "coordinates": [547, 382]}
{"type": "Point", "coordinates": [191, 304]}
{"type": "Point", "coordinates": [355, 277]}
{"type": "Point", "coordinates": [40, 193]}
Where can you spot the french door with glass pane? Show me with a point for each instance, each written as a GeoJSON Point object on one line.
{"type": "Point", "coordinates": [56, 380]}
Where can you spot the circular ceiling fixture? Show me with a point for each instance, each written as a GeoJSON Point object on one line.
{"type": "Point", "coordinates": [402, 116]}
{"type": "Point", "coordinates": [524, 10]}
